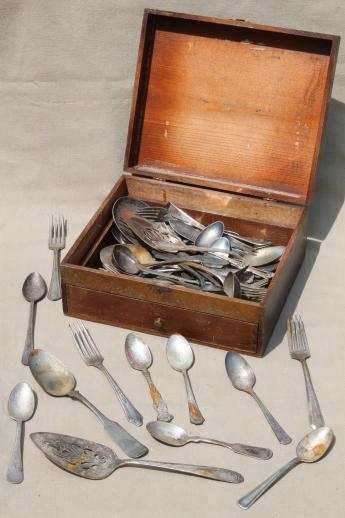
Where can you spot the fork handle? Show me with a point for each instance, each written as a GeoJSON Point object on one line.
{"type": "Point", "coordinates": [132, 414]}
{"type": "Point", "coordinates": [54, 292]}
{"type": "Point", "coordinates": [315, 416]}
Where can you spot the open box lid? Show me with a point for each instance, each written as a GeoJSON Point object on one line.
{"type": "Point", "coordinates": [230, 105]}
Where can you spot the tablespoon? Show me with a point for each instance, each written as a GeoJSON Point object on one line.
{"type": "Point", "coordinates": [57, 380]}
{"type": "Point", "coordinates": [21, 406]}
{"type": "Point", "coordinates": [310, 449]}
{"type": "Point", "coordinates": [210, 234]}
{"type": "Point", "coordinates": [139, 357]}
{"type": "Point", "coordinates": [181, 357]}
{"type": "Point", "coordinates": [34, 290]}
{"type": "Point", "coordinates": [173, 435]}
{"type": "Point", "coordinates": [264, 256]}
{"type": "Point", "coordinates": [243, 378]}
{"type": "Point", "coordinates": [94, 461]}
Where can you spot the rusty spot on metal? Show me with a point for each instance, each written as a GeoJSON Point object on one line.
{"type": "Point", "coordinates": [156, 397]}
{"type": "Point", "coordinates": [194, 411]}
{"type": "Point", "coordinates": [319, 449]}
{"type": "Point", "coordinates": [34, 352]}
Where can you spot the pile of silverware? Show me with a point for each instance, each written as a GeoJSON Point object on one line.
{"type": "Point", "coordinates": [167, 244]}
{"type": "Point", "coordinates": [96, 461]}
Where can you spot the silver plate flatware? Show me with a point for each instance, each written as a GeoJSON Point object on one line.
{"type": "Point", "coordinates": [56, 243]}
{"type": "Point", "coordinates": [34, 290]}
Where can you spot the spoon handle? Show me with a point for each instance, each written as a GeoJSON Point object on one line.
{"type": "Point", "coordinates": [195, 416]}
{"type": "Point", "coordinates": [119, 435]}
{"type": "Point", "coordinates": [29, 340]}
{"type": "Point", "coordinates": [54, 292]}
{"type": "Point", "coordinates": [242, 449]}
{"type": "Point", "coordinates": [281, 435]}
{"type": "Point", "coordinates": [132, 414]}
{"type": "Point", "coordinates": [158, 403]}
{"type": "Point", "coordinates": [246, 501]}
{"type": "Point", "coordinates": [221, 474]}
{"type": "Point", "coordinates": [15, 473]}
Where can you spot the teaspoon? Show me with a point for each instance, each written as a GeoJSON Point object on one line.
{"type": "Point", "coordinates": [21, 406]}
{"type": "Point", "coordinates": [310, 449]}
{"type": "Point", "coordinates": [34, 290]}
{"type": "Point", "coordinates": [181, 357]}
{"type": "Point", "coordinates": [210, 234]}
{"type": "Point", "coordinates": [140, 358]}
{"type": "Point", "coordinates": [173, 435]}
{"type": "Point", "coordinates": [57, 380]}
{"type": "Point", "coordinates": [243, 378]}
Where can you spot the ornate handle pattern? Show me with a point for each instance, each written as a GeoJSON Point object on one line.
{"type": "Point", "coordinates": [158, 403]}
{"type": "Point", "coordinates": [281, 435]}
{"type": "Point", "coordinates": [132, 414]}
{"type": "Point", "coordinates": [315, 416]}
{"type": "Point", "coordinates": [242, 449]}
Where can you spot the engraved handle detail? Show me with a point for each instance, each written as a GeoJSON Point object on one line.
{"type": "Point", "coordinates": [315, 416]}
{"type": "Point", "coordinates": [54, 292]}
{"type": "Point", "coordinates": [15, 473]}
{"type": "Point", "coordinates": [158, 403]}
{"type": "Point", "coordinates": [119, 435]}
{"type": "Point", "coordinates": [223, 475]}
{"type": "Point", "coordinates": [246, 501]}
{"type": "Point", "coordinates": [29, 340]}
{"type": "Point", "coordinates": [132, 414]}
{"type": "Point", "coordinates": [195, 416]}
{"type": "Point", "coordinates": [242, 449]}
{"type": "Point", "coordinates": [281, 435]}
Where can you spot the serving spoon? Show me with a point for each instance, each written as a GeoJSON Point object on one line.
{"type": "Point", "coordinates": [21, 406]}
{"type": "Point", "coordinates": [57, 380]}
{"type": "Point", "coordinates": [34, 290]}
{"type": "Point", "coordinates": [139, 357]}
{"type": "Point", "coordinates": [94, 461]}
{"type": "Point", "coordinates": [243, 378]}
{"type": "Point", "coordinates": [174, 435]}
{"type": "Point", "coordinates": [181, 357]}
{"type": "Point", "coordinates": [310, 449]}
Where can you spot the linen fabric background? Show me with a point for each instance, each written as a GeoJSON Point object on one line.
{"type": "Point", "coordinates": [66, 77]}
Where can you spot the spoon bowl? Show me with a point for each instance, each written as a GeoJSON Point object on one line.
{"type": "Point", "coordinates": [240, 372]}
{"type": "Point", "coordinates": [179, 353]}
{"type": "Point", "coordinates": [51, 374]}
{"type": "Point", "coordinates": [315, 444]}
{"type": "Point", "coordinates": [137, 352]}
{"type": "Point", "coordinates": [34, 287]}
{"type": "Point", "coordinates": [168, 433]}
{"type": "Point", "coordinates": [264, 256]}
{"type": "Point", "coordinates": [210, 234]}
{"type": "Point", "coordinates": [21, 403]}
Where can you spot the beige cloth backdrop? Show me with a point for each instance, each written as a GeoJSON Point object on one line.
{"type": "Point", "coordinates": [66, 78]}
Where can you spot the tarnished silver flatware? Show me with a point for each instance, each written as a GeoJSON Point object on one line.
{"type": "Point", "coordinates": [181, 358]}
{"type": "Point", "coordinates": [57, 380]}
{"type": "Point", "coordinates": [174, 435]}
{"type": "Point", "coordinates": [310, 449]}
{"type": "Point", "coordinates": [139, 357]}
{"type": "Point", "coordinates": [243, 378]}
{"type": "Point", "coordinates": [34, 290]}
{"type": "Point", "coordinates": [264, 256]}
{"type": "Point", "coordinates": [94, 461]}
{"type": "Point", "coordinates": [21, 406]}
{"type": "Point", "coordinates": [210, 234]}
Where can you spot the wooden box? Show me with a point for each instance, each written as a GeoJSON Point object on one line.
{"type": "Point", "coordinates": [226, 123]}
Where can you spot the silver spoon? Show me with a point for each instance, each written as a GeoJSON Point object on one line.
{"type": "Point", "coordinates": [232, 286]}
{"type": "Point", "coordinates": [181, 357]}
{"type": "Point", "coordinates": [34, 289]}
{"type": "Point", "coordinates": [57, 380]}
{"type": "Point", "coordinates": [243, 378]}
{"type": "Point", "coordinates": [210, 234]}
{"type": "Point", "coordinates": [173, 435]}
{"type": "Point", "coordinates": [140, 358]}
{"type": "Point", "coordinates": [264, 256]}
{"type": "Point", "coordinates": [310, 449]}
{"type": "Point", "coordinates": [21, 406]}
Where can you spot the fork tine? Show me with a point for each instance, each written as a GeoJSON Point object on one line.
{"type": "Point", "coordinates": [304, 336]}
{"type": "Point", "coordinates": [78, 342]}
{"type": "Point", "coordinates": [89, 342]}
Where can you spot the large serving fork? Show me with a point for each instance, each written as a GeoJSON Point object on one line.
{"type": "Point", "coordinates": [93, 358]}
{"type": "Point", "coordinates": [299, 350]}
{"type": "Point", "coordinates": [56, 242]}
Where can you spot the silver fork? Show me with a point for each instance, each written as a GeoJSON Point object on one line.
{"type": "Point", "coordinates": [56, 242]}
{"type": "Point", "coordinates": [299, 350]}
{"type": "Point", "coordinates": [93, 358]}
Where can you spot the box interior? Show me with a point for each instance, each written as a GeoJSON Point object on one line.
{"type": "Point", "coordinates": [231, 107]}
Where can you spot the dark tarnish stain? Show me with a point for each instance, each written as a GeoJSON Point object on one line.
{"type": "Point", "coordinates": [34, 352]}
{"type": "Point", "coordinates": [194, 411]}
{"type": "Point", "coordinates": [156, 397]}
